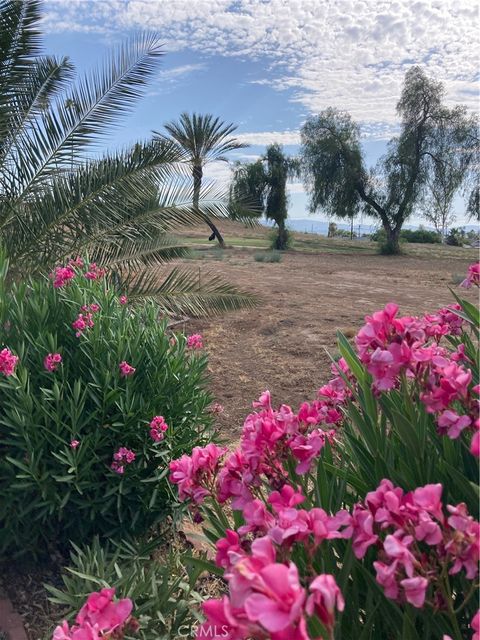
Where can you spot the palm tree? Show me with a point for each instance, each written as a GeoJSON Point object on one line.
{"type": "Point", "coordinates": [119, 207]}
{"type": "Point", "coordinates": [202, 139]}
{"type": "Point", "coordinates": [263, 185]}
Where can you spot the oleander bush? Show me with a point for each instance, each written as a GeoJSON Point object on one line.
{"type": "Point", "coordinates": [357, 515]}
{"type": "Point", "coordinates": [141, 594]}
{"type": "Point", "coordinates": [96, 397]}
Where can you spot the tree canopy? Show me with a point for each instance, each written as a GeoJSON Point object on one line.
{"type": "Point", "coordinates": [432, 138]}
{"type": "Point", "coordinates": [261, 187]}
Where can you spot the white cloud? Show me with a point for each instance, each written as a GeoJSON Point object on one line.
{"type": "Point", "coordinates": [262, 138]}
{"type": "Point", "coordinates": [175, 73]}
{"type": "Point", "coordinates": [351, 54]}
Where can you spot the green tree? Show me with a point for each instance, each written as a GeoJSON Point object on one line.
{"type": "Point", "coordinates": [201, 139]}
{"type": "Point", "coordinates": [430, 135]}
{"type": "Point", "coordinates": [56, 201]}
{"type": "Point", "coordinates": [262, 185]}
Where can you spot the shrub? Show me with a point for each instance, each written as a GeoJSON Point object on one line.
{"type": "Point", "coordinates": [355, 515]}
{"type": "Point", "coordinates": [99, 401]}
{"type": "Point", "coordinates": [267, 256]}
{"type": "Point", "coordinates": [280, 240]}
{"type": "Point", "coordinates": [422, 236]}
{"type": "Point", "coordinates": [158, 594]}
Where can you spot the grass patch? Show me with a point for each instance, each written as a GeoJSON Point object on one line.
{"type": "Point", "coordinates": [267, 256]}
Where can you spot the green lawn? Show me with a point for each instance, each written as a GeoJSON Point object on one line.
{"type": "Point", "coordinates": [313, 243]}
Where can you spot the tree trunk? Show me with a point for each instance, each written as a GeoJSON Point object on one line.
{"type": "Point", "coordinates": [281, 241]}
{"type": "Point", "coordinates": [197, 185]}
{"type": "Point", "coordinates": [392, 243]}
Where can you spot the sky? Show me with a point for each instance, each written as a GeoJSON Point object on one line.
{"type": "Point", "coordinates": [267, 65]}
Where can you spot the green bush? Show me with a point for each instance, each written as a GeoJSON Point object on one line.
{"type": "Point", "coordinates": [165, 603]}
{"type": "Point", "coordinates": [267, 256]}
{"type": "Point", "coordinates": [280, 240]}
{"type": "Point", "coordinates": [59, 429]}
{"type": "Point", "coordinates": [421, 236]}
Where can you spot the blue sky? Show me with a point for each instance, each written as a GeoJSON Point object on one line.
{"type": "Point", "coordinates": [266, 65]}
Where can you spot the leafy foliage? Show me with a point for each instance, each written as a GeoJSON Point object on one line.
{"type": "Point", "coordinates": [58, 195]}
{"type": "Point", "coordinates": [60, 428]}
{"type": "Point", "coordinates": [166, 603]}
{"type": "Point", "coordinates": [264, 184]}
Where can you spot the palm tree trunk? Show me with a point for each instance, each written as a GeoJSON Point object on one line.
{"type": "Point", "coordinates": [197, 185]}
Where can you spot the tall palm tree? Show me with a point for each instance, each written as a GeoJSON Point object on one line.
{"type": "Point", "coordinates": [202, 139]}
{"type": "Point", "coordinates": [119, 207]}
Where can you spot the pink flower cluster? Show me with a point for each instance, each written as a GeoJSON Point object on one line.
{"type": "Point", "coordinates": [94, 272]}
{"type": "Point", "coordinates": [394, 348]}
{"type": "Point", "coordinates": [52, 361]}
{"type": "Point", "coordinates": [195, 341]}
{"type": "Point", "coordinates": [62, 276]}
{"type": "Point", "coordinates": [195, 475]}
{"type": "Point", "coordinates": [121, 458]}
{"type": "Point", "coordinates": [473, 276]}
{"type": "Point", "coordinates": [123, 300]}
{"type": "Point", "coordinates": [417, 543]}
{"type": "Point", "coordinates": [268, 437]}
{"type": "Point", "coordinates": [8, 362]}
{"type": "Point", "coordinates": [99, 618]}
{"type": "Point", "coordinates": [267, 599]}
{"type": "Point", "coordinates": [82, 323]}
{"type": "Point", "coordinates": [415, 540]}
{"type": "Point", "coordinates": [126, 369]}
{"type": "Point", "coordinates": [158, 426]}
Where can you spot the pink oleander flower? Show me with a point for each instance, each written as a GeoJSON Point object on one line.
{"type": "Point", "coordinates": [415, 590]}
{"type": "Point", "coordinates": [450, 423]}
{"type": "Point", "coordinates": [101, 610]}
{"type": "Point", "coordinates": [83, 322]}
{"type": "Point", "coordinates": [275, 598]}
{"type": "Point", "coordinates": [100, 617]}
{"type": "Point", "coordinates": [121, 458]}
{"type": "Point", "coordinates": [473, 276]}
{"type": "Point", "coordinates": [123, 300]}
{"type": "Point", "coordinates": [94, 272]}
{"type": "Point", "coordinates": [228, 549]}
{"type": "Point", "coordinates": [93, 308]}
{"type": "Point", "coordinates": [8, 362]}
{"type": "Point", "coordinates": [76, 262]}
{"type": "Point", "coordinates": [195, 341]}
{"type": "Point", "coordinates": [195, 474]}
{"type": "Point", "coordinates": [126, 369]}
{"type": "Point", "coordinates": [74, 444]}
{"type": "Point", "coordinates": [51, 361]}
{"type": "Point", "coordinates": [62, 276]}
{"type": "Point", "coordinates": [475, 624]}
{"type": "Point", "coordinates": [325, 597]}
{"type": "Point", "coordinates": [158, 426]}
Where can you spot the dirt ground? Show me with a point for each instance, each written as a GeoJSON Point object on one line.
{"type": "Point", "coordinates": [282, 345]}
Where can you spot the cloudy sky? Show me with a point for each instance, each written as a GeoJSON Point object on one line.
{"type": "Point", "coordinates": [268, 64]}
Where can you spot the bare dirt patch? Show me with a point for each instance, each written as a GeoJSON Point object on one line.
{"type": "Point", "coordinates": [282, 345]}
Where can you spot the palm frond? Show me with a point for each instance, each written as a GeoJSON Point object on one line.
{"type": "Point", "coordinates": [184, 292]}
{"type": "Point", "coordinates": [131, 255]}
{"type": "Point", "coordinates": [19, 44]}
{"type": "Point", "coordinates": [57, 137]}
{"type": "Point", "coordinates": [202, 138]}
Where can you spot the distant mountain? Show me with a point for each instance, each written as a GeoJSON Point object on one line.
{"type": "Point", "coordinates": [309, 225]}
